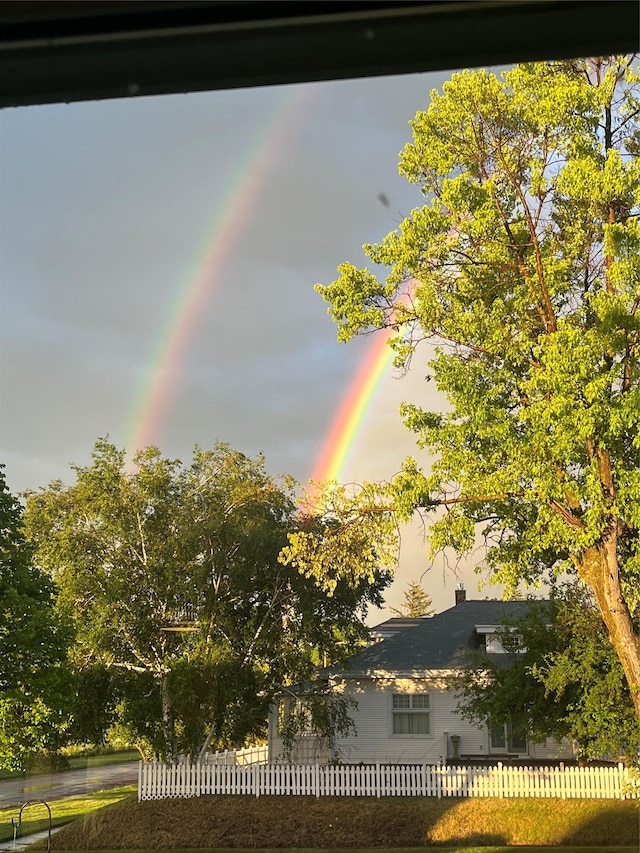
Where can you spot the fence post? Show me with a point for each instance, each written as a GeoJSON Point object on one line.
{"type": "Point", "coordinates": [157, 780]}
{"type": "Point", "coordinates": [619, 782]}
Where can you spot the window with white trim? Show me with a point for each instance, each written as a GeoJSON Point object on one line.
{"type": "Point", "coordinates": [503, 642]}
{"type": "Point", "coordinates": [410, 714]}
{"type": "Point", "coordinates": [505, 738]}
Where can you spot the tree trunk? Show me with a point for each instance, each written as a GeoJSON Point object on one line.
{"type": "Point", "coordinates": [168, 722]}
{"type": "Point", "coordinates": [599, 569]}
{"type": "Point", "coordinates": [207, 741]}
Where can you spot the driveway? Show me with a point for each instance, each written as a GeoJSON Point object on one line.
{"type": "Point", "coordinates": [54, 786]}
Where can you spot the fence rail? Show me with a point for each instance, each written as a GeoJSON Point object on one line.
{"type": "Point", "coordinates": [228, 757]}
{"type": "Point", "coordinates": [160, 781]}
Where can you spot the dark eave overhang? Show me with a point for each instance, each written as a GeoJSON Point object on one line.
{"type": "Point", "coordinates": [52, 52]}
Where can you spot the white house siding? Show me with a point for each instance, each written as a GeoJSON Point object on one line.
{"type": "Point", "coordinates": [307, 749]}
{"type": "Point", "coordinates": [551, 750]}
{"type": "Point", "coordinates": [376, 742]}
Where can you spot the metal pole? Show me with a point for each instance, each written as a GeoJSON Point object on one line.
{"type": "Point", "coordinates": [17, 825]}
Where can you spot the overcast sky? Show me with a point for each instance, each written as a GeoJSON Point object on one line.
{"type": "Point", "coordinates": [106, 210]}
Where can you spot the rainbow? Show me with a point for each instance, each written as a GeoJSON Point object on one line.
{"type": "Point", "coordinates": [247, 184]}
{"type": "Point", "coordinates": [353, 410]}
{"type": "Point", "coordinates": [360, 396]}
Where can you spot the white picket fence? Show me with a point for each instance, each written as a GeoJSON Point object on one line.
{"type": "Point", "coordinates": [232, 757]}
{"type": "Point", "coordinates": [160, 781]}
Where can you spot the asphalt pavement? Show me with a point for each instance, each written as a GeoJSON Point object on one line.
{"type": "Point", "coordinates": [54, 786]}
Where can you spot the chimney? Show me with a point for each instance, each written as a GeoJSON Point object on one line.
{"type": "Point", "coordinates": [461, 594]}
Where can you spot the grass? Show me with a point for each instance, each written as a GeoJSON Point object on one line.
{"type": "Point", "coordinates": [523, 821]}
{"type": "Point", "coordinates": [81, 762]}
{"type": "Point", "coordinates": [344, 823]}
{"type": "Point", "coordinates": [527, 849]}
{"type": "Point", "coordinates": [35, 818]}
{"type": "Point", "coordinates": [77, 762]}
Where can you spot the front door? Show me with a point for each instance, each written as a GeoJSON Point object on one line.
{"type": "Point", "coordinates": [498, 739]}
{"type": "Point", "coordinates": [517, 741]}
{"type": "Point", "coordinates": [505, 739]}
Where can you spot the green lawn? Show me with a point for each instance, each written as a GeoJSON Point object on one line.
{"type": "Point", "coordinates": [161, 824]}
{"type": "Point", "coordinates": [80, 762]}
{"type": "Point", "coordinates": [35, 818]}
{"type": "Point", "coordinates": [545, 849]}
{"type": "Point", "coordinates": [528, 849]}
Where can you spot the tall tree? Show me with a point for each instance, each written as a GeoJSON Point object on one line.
{"type": "Point", "coordinates": [522, 270]}
{"type": "Point", "coordinates": [34, 641]}
{"type": "Point", "coordinates": [172, 577]}
{"type": "Point", "coordinates": [563, 679]}
{"type": "Point", "coordinates": [416, 602]}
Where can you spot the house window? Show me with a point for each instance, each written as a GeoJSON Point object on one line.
{"type": "Point", "coordinates": [410, 713]}
{"type": "Point", "coordinates": [494, 644]}
{"type": "Point", "coordinates": [502, 643]}
{"type": "Point", "coordinates": [500, 639]}
{"type": "Point", "coordinates": [505, 738]}
{"type": "Point", "coordinates": [498, 735]}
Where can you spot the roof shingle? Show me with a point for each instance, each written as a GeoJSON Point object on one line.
{"type": "Point", "coordinates": [436, 643]}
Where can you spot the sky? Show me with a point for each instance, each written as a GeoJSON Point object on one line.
{"type": "Point", "coordinates": [157, 266]}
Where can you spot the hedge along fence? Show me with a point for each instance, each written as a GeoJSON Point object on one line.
{"type": "Point", "coordinates": [161, 781]}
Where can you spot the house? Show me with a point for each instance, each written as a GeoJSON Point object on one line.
{"type": "Point", "coordinates": [404, 686]}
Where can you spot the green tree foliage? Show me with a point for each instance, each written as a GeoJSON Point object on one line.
{"type": "Point", "coordinates": [318, 713]}
{"type": "Point", "coordinates": [563, 679]}
{"type": "Point", "coordinates": [416, 602]}
{"type": "Point", "coordinates": [94, 699]}
{"type": "Point", "coordinates": [138, 710]}
{"type": "Point", "coordinates": [339, 538]}
{"type": "Point", "coordinates": [521, 272]}
{"type": "Point", "coordinates": [172, 578]}
{"type": "Point", "coordinates": [584, 674]}
{"type": "Point", "coordinates": [33, 679]}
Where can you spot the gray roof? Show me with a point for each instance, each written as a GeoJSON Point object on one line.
{"type": "Point", "coordinates": [438, 642]}
{"type": "Point", "coordinates": [398, 623]}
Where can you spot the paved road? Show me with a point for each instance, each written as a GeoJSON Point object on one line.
{"type": "Point", "coordinates": [53, 786]}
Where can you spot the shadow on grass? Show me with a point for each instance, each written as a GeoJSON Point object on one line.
{"type": "Point", "coordinates": [613, 826]}
{"type": "Point", "coordinates": [63, 811]}
{"type": "Point", "coordinates": [479, 839]}
{"type": "Point", "coordinates": [107, 795]}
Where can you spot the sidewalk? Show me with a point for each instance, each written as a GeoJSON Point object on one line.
{"type": "Point", "coordinates": [27, 840]}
